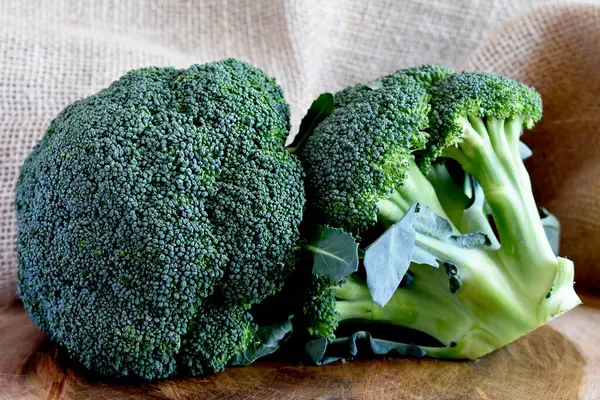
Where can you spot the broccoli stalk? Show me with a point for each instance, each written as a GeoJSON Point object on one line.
{"type": "Point", "coordinates": [415, 188]}
{"type": "Point", "coordinates": [489, 151]}
{"type": "Point", "coordinates": [465, 205]}
{"type": "Point", "coordinates": [416, 306]}
{"type": "Point", "coordinates": [486, 144]}
{"type": "Point", "coordinates": [486, 313]}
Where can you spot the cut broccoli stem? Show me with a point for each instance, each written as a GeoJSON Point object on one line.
{"type": "Point", "coordinates": [415, 188]}
{"type": "Point", "coordinates": [487, 275]}
{"type": "Point", "coordinates": [485, 314]}
{"type": "Point", "coordinates": [478, 342]}
{"type": "Point", "coordinates": [562, 296]}
{"type": "Point", "coordinates": [485, 289]}
{"type": "Point", "coordinates": [485, 278]}
{"type": "Point", "coordinates": [493, 306]}
{"type": "Point", "coordinates": [427, 305]}
{"type": "Point", "coordinates": [488, 150]}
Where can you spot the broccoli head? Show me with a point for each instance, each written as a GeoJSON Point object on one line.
{"type": "Point", "coordinates": [153, 214]}
{"type": "Point", "coordinates": [378, 167]}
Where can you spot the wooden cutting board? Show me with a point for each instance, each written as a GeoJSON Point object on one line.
{"type": "Point", "coordinates": [560, 361]}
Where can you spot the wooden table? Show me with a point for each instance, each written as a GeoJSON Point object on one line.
{"type": "Point", "coordinates": [560, 361]}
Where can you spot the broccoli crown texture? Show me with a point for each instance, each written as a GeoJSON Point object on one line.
{"type": "Point", "coordinates": [361, 152]}
{"type": "Point", "coordinates": [211, 335]}
{"type": "Point", "coordinates": [146, 203]}
{"type": "Point", "coordinates": [468, 95]}
{"type": "Point", "coordinates": [425, 75]}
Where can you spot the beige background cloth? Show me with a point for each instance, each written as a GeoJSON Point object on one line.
{"type": "Point", "coordinates": [54, 52]}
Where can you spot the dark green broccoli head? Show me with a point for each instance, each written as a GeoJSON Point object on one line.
{"type": "Point", "coordinates": [361, 153]}
{"type": "Point", "coordinates": [164, 193]}
{"type": "Point", "coordinates": [463, 96]}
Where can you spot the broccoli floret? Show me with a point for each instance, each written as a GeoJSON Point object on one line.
{"type": "Point", "coordinates": [215, 335]}
{"type": "Point", "coordinates": [372, 134]}
{"type": "Point", "coordinates": [318, 314]}
{"type": "Point", "coordinates": [369, 171]}
{"type": "Point", "coordinates": [150, 203]}
{"type": "Point", "coordinates": [362, 150]}
{"type": "Point", "coordinates": [427, 75]}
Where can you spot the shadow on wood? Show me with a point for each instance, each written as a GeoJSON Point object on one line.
{"type": "Point", "coordinates": [546, 364]}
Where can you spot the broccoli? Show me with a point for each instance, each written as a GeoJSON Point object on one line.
{"type": "Point", "coordinates": [154, 214]}
{"type": "Point", "coordinates": [381, 166]}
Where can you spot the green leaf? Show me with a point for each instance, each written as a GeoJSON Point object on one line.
{"type": "Point", "coordinates": [433, 226]}
{"type": "Point", "coordinates": [267, 340]}
{"type": "Point", "coordinates": [320, 109]}
{"type": "Point", "coordinates": [388, 258]}
{"type": "Point", "coordinates": [551, 226]}
{"type": "Point", "coordinates": [316, 349]}
{"type": "Point", "coordinates": [361, 343]}
{"type": "Point", "coordinates": [335, 253]}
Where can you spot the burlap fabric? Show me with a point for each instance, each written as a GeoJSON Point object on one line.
{"type": "Point", "coordinates": [557, 50]}
{"type": "Point", "coordinates": [54, 52]}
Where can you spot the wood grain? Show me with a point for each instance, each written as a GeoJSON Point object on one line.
{"type": "Point", "coordinates": [560, 361]}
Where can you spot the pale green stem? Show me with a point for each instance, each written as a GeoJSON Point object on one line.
{"type": "Point", "coordinates": [524, 245]}
{"type": "Point", "coordinates": [415, 188]}
{"type": "Point", "coordinates": [417, 306]}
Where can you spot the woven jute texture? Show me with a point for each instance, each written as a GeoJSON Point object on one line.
{"type": "Point", "coordinates": [557, 50]}
{"type": "Point", "coordinates": [54, 52]}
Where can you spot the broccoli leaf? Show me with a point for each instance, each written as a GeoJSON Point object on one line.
{"type": "Point", "coordinates": [316, 350]}
{"type": "Point", "coordinates": [524, 151]}
{"type": "Point", "coordinates": [388, 258]}
{"type": "Point", "coordinates": [323, 352]}
{"type": "Point", "coordinates": [318, 111]}
{"type": "Point", "coordinates": [551, 226]}
{"type": "Point", "coordinates": [267, 340]}
{"type": "Point", "coordinates": [335, 253]}
{"type": "Point", "coordinates": [433, 226]}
